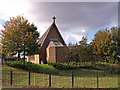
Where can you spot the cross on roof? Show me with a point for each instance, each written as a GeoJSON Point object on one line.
{"type": "Point", "coordinates": [54, 19]}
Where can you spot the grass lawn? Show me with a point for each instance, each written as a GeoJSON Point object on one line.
{"type": "Point", "coordinates": [83, 78]}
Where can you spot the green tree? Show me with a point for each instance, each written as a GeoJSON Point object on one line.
{"type": "Point", "coordinates": [84, 50]}
{"type": "Point", "coordinates": [19, 36]}
{"type": "Point", "coordinates": [79, 52]}
{"type": "Point", "coordinates": [70, 53]}
{"type": "Point", "coordinates": [115, 42]}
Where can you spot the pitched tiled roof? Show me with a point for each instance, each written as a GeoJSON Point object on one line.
{"type": "Point", "coordinates": [43, 38]}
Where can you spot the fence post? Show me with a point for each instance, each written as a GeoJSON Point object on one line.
{"type": "Point", "coordinates": [11, 78]}
{"type": "Point", "coordinates": [29, 78]}
{"type": "Point", "coordinates": [72, 79]}
{"type": "Point", "coordinates": [97, 80]}
{"type": "Point", "coordinates": [49, 80]}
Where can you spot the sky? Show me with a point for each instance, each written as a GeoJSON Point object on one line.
{"type": "Point", "coordinates": [73, 19]}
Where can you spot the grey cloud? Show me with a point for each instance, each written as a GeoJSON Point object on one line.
{"type": "Point", "coordinates": [88, 15]}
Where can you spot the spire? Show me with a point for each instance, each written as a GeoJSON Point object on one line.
{"type": "Point", "coordinates": [54, 19]}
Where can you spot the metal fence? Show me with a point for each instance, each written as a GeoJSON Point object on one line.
{"type": "Point", "coordinates": [16, 78]}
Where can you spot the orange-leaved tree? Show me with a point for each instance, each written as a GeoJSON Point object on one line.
{"type": "Point", "coordinates": [102, 43]}
{"type": "Point", "coordinates": [19, 36]}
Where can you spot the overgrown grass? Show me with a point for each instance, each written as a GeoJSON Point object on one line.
{"type": "Point", "coordinates": [85, 74]}
{"type": "Point", "coordinates": [83, 78]}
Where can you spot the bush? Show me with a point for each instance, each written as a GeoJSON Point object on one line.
{"type": "Point", "coordinates": [29, 66]}
{"type": "Point", "coordinates": [107, 67]}
{"type": "Point", "coordinates": [16, 64]}
{"type": "Point", "coordinates": [63, 66]}
{"type": "Point", "coordinates": [87, 65]}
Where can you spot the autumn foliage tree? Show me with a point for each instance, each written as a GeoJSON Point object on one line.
{"type": "Point", "coordinates": [102, 44]}
{"type": "Point", "coordinates": [19, 36]}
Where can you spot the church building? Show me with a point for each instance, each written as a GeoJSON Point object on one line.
{"type": "Point", "coordinates": [52, 45]}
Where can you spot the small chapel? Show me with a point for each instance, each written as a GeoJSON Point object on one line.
{"type": "Point", "coordinates": [52, 45]}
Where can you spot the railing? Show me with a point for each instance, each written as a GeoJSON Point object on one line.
{"type": "Point", "coordinates": [56, 81]}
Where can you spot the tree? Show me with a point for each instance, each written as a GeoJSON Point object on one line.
{"type": "Point", "coordinates": [84, 49]}
{"type": "Point", "coordinates": [79, 52]}
{"type": "Point", "coordinates": [70, 53]}
{"type": "Point", "coordinates": [19, 36]}
{"type": "Point", "coordinates": [102, 43]}
{"type": "Point", "coordinates": [115, 42]}
{"type": "Point", "coordinates": [119, 45]}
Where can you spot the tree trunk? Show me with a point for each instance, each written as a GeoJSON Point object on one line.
{"type": "Point", "coordinates": [24, 56]}
{"type": "Point", "coordinates": [18, 55]}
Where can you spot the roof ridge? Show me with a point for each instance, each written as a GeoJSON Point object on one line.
{"type": "Point", "coordinates": [42, 39]}
{"type": "Point", "coordinates": [46, 34]}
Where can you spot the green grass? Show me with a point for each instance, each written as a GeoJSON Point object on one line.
{"type": "Point", "coordinates": [83, 78]}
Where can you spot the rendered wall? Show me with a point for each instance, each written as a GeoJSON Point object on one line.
{"type": "Point", "coordinates": [33, 59]}
{"type": "Point", "coordinates": [51, 54]}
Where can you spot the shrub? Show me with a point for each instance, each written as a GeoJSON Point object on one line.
{"type": "Point", "coordinates": [29, 66]}
{"type": "Point", "coordinates": [62, 66]}
{"type": "Point", "coordinates": [87, 65]}
{"type": "Point", "coordinates": [16, 64]}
